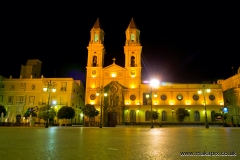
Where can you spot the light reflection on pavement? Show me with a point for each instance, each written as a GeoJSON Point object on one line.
{"type": "Point", "coordinates": [116, 143]}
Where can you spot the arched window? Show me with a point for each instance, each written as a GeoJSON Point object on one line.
{"type": "Point", "coordinates": [94, 60]}
{"type": "Point", "coordinates": [132, 61]}
{"type": "Point", "coordinates": [95, 37]}
{"type": "Point", "coordinates": [147, 116]}
{"type": "Point", "coordinates": [132, 37]}
{"type": "Point", "coordinates": [132, 116]}
{"type": "Point", "coordinates": [213, 116]}
{"type": "Point", "coordinates": [164, 116]}
{"type": "Point", "coordinates": [196, 116]}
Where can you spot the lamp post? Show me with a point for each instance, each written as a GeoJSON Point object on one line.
{"type": "Point", "coordinates": [172, 113]}
{"type": "Point", "coordinates": [188, 111]}
{"type": "Point", "coordinates": [153, 83]}
{"type": "Point", "coordinates": [49, 86]}
{"type": "Point", "coordinates": [101, 90]}
{"type": "Point", "coordinates": [203, 90]}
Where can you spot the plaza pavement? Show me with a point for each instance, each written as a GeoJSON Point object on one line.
{"type": "Point", "coordinates": [118, 143]}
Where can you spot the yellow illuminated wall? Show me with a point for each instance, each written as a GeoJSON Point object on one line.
{"type": "Point", "coordinates": [19, 94]}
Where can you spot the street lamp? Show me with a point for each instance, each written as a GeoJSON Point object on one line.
{"type": "Point", "coordinates": [153, 83]}
{"type": "Point", "coordinates": [49, 86]}
{"type": "Point", "coordinates": [203, 90]}
{"type": "Point", "coordinates": [188, 111]}
{"type": "Point", "coordinates": [101, 90]}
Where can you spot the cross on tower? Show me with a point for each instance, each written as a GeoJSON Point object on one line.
{"type": "Point", "coordinates": [114, 59]}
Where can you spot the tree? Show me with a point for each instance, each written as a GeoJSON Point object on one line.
{"type": "Point", "coordinates": [46, 113]}
{"type": "Point", "coordinates": [31, 111]}
{"type": "Point", "coordinates": [155, 115]}
{"type": "Point", "coordinates": [3, 110]}
{"type": "Point", "coordinates": [66, 112]}
{"type": "Point", "coordinates": [181, 113]}
{"type": "Point", "coordinates": [90, 111]}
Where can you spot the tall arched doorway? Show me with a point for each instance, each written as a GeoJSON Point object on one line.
{"type": "Point", "coordinates": [132, 116]}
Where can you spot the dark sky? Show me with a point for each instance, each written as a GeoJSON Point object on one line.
{"type": "Point", "coordinates": [185, 43]}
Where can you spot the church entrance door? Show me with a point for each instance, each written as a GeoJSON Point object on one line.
{"type": "Point", "coordinates": [112, 119]}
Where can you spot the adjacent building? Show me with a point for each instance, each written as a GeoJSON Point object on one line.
{"type": "Point", "coordinates": [31, 69]}
{"type": "Point", "coordinates": [231, 93]}
{"type": "Point", "coordinates": [129, 99]}
{"type": "Point", "coordinates": [19, 94]}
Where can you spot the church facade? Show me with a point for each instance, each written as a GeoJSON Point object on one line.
{"type": "Point", "coordinates": [123, 99]}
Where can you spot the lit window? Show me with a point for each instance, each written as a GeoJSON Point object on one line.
{"type": "Point", "coordinates": [114, 75]}
{"type": "Point", "coordinates": [63, 86]}
{"type": "Point", "coordinates": [31, 100]}
{"type": "Point", "coordinates": [95, 38]}
{"type": "Point", "coordinates": [33, 87]}
{"type": "Point", "coordinates": [164, 116]}
{"type": "Point", "coordinates": [196, 116]}
{"type": "Point", "coordinates": [10, 100]}
{"type": "Point", "coordinates": [179, 97]}
{"type": "Point", "coordinates": [20, 99]}
{"type": "Point", "coordinates": [23, 86]}
{"type": "Point", "coordinates": [12, 87]}
{"type": "Point", "coordinates": [132, 37]}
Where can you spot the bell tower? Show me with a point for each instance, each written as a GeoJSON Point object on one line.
{"type": "Point", "coordinates": [132, 51]}
{"type": "Point", "coordinates": [95, 48]}
{"type": "Point", "coordinates": [132, 48]}
{"type": "Point", "coordinates": [96, 52]}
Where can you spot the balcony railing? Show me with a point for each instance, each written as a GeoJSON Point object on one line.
{"type": "Point", "coordinates": [42, 103]}
{"type": "Point", "coordinates": [20, 102]}
{"type": "Point", "coordinates": [62, 103]}
{"type": "Point", "coordinates": [63, 89]}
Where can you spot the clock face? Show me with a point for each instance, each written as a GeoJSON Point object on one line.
{"type": "Point", "coordinates": [132, 72]}
{"type": "Point", "coordinates": [93, 72]}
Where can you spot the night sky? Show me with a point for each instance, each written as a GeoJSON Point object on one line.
{"type": "Point", "coordinates": [182, 43]}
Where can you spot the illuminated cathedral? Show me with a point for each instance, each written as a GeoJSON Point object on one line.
{"type": "Point", "coordinates": [121, 97]}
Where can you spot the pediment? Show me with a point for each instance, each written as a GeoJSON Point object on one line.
{"type": "Point", "coordinates": [114, 67]}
